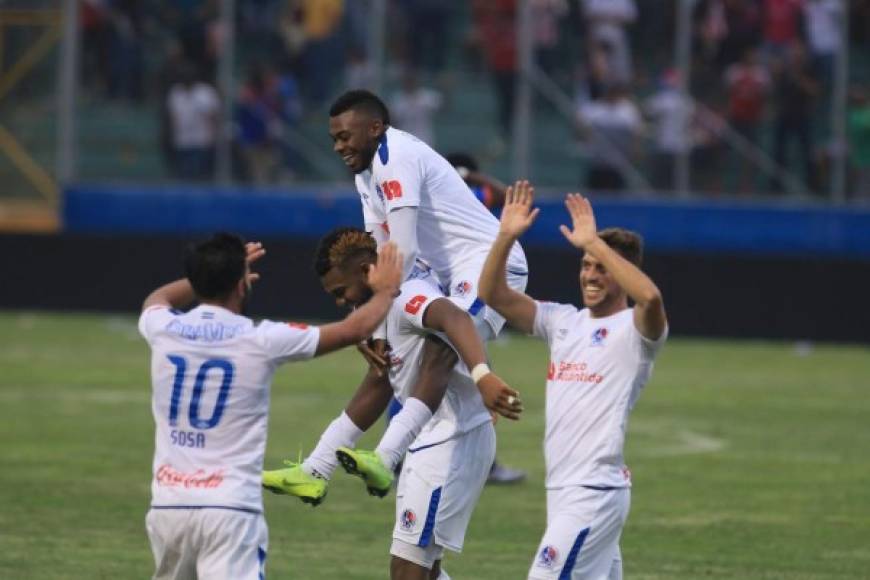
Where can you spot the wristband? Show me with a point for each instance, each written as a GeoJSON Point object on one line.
{"type": "Point", "coordinates": [479, 371]}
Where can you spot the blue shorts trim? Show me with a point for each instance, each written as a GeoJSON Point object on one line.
{"type": "Point", "coordinates": [429, 526]}
{"type": "Point", "coordinates": [571, 560]}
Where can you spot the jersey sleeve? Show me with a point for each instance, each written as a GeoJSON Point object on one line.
{"type": "Point", "coordinates": [155, 318]}
{"type": "Point", "coordinates": [398, 176]}
{"type": "Point", "coordinates": [415, 298]}
{"type": "Point", "coordinates": [289, 341]}
{"type": "Point", "coordinates": [547, 315]}
{"type": "Point", "coordinates": [646, 348]}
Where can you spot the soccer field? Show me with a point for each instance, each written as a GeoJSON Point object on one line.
{"type": "Point", "coordinates": [750, 460]}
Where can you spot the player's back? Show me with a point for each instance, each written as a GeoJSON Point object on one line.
{"type": "Point", "coordinates": [454, 229]}
{"type": "Point", "coordinates": [462, 407]}
{"type": "Point", "coordinates": [211, 371]}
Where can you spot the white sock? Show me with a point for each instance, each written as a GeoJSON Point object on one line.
{"type": "Point", "coordinates": [342, 432]}
{"type": "Point", "coordinates": [403, 429]}
{"type": "Point", "coordinates": [442, 575]}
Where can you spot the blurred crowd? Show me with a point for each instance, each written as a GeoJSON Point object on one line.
{"type": "Point", "coordinates": [758, 117]}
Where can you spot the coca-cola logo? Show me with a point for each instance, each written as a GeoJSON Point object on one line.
{"type": "Point", "coordinates": [167, 476]}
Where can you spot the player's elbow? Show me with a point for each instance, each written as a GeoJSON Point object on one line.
{"type": "Point", "coordinates": [651, 298]}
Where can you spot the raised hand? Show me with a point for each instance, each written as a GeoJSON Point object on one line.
{"type": "Point", "coordinates": [253, 252]}
{"type": "Point", "coordinates": [386, 275]}
{"type": "Point", "coordinates": [518, 215]}
{"type": "Point", "coordinates": [583, 230]}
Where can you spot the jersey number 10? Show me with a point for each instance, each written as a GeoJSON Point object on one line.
{"type": "Point", "coordinates": [227, 370]}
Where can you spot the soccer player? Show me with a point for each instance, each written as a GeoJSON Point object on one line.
{"type": "Point", "coordinates": [601, 356]}
{"type": "Point", "coordinates": [211, 369]}
{"type": "Point", "coordinates": [447, 461]}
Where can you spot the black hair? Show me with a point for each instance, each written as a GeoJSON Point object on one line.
{"type": "Point", "coordinates": [215, 266]}
{"type": "Point", "coordinates": [339, 246]}
{"type": "Point", "coordinates": [459, 159]}
{"type": "Point", "coordinates": [361, 100]}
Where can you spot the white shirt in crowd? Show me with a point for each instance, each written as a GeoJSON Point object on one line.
{"type": "Point", "coordinates": [193, 111]}
{"type": "Point", "coordinates": [414, 112]}
{"type": "Point", "coordinates": [211, 372]}
{"type": "Point", "coordinates": [597, 369]}
{"type": "Point", "coordinates": [672, 114]}
{"type": "Point", "coordinates": [823, 18]}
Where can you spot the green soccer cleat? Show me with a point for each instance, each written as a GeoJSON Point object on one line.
{"type": "Point", "coordinates": [293, 480]}
{"type": "Point", "coordinates": [368, 466]}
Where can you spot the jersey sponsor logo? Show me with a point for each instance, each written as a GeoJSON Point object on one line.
{"type": "Point", "coordinates": [299, 325]}
{"type": "Point", "coordinates": [463, 288]}
{"type": "Point", "coordinates": [396, 364]}
{"type": "Point", "coordinates": [392, 189]}
{"type": "Point", "coordinates": [205, 332]}
{"type": "Point", "coordinates": [598, 336]}
{"type": "Point", "coordinates": [572, 372]}
{"type": "Point", "coordinates": [408, 520]}
{"type": "Point", "coordinates": [548, 556]}
{"type": "Point", "coordinates": [167, 476]}
{"type": "Point", "coordinates": [413, 305]}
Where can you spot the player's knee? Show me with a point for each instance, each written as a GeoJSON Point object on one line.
{"type": "Point", "coordinates": [411, 562]}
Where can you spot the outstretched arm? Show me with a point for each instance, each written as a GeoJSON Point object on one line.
{"type": "Point", "coordinates": [649, 309]}
{"type": "Point", "coordinates": [384, 279]}
{"type": "Point", "coordinates": [517, 216]}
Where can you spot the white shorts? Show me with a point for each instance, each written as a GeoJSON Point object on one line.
{"type": "Point", "coordinates": [582, 537]}
{"type": "Point", "coordinates": [438, 490]}
{"type": "Point", "coordinates": [207, 543]}
{"type": "Point", "coordinates": [463, 293]}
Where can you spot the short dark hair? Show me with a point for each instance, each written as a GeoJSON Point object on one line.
{"type": "Point", "coordinates": [361, 100]}
{"type": "Point", "coordinates": [629, 244]}
{"type": "Point", "coordinates": [460, 159]}
{"type": "Point", "coordinates": [339, 246]}
{"type": "Point", "coordinates": [215, 266]}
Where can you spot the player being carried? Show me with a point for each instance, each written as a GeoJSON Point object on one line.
{"type": "Point", "coordinates": [211, 369]}
{"type": "Point", "coordinates": [448, 457]}
{"type": "Point", "coordinates": [601, 356]}
{"type": "Point", "coordinates": [413, 196]}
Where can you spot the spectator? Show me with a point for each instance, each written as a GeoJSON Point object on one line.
{"type": "Point", "coordinates": [495, 34]}
{"type": "Point", "coordinates": [607, 21]}
{"type": "Point", "coordinates": [322, 56]}
{"type": "Point", "coordinates": [748, 84]}
{"type": "Point", "coordinates": [824, 34]}
{"type": "Point", "coordinates": [428, 31]}
{"type": "Point", "coordinates": [359, 73]}
{"type": "Point", "coordinates": [413, 109]}
{"type": "Point", "coordinates": [259, 126]}
{"type": "Point", "coordinates": [743, 19]}
{"type": "Point", "coordinates": [126, 59]}
{"type": "Point", "coordinates": [671, 112]}
{"type": "Point", "coordinates": [193, 109]}
{"type": "Point", "coordinates": [782, 27]}
{"type": "Point", "coordinates": [796, 91]}
{"type": "Point", "coordinates": [613, 126]}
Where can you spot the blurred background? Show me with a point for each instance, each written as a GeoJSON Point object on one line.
{"type": "Point", "coordinates": [733, 134]}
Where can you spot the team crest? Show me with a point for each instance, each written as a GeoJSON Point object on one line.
{"type": "Point", "coordinates": [598, 336]}
{"type": "Point", "coordinates": [408, 520]}
{"type": "Point", "coordinates": [548, 556]}
{"type": "Point", "coordinates": [463, 288]}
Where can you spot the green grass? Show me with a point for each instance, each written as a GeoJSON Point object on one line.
{"type": "Point", "coordinates": [749, 461]}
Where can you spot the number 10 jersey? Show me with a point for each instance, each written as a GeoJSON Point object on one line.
{"type": "Point", "coordinates": [211, 372]}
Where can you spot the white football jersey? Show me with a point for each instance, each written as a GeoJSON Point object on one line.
{"type": "Point", "coordinates": [211, 372]}
{"type": "Point", "coordinates": [462, 407]}
{"type": "Point", "coordinates": [597, 368]}
{"type": "Point", "coordinates": [454, 229]}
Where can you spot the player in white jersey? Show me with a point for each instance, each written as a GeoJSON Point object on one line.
{"type": "Point", "coordinates": [211, 369]}
{"type": "Point", "coordinates": [449, 455]}
{"type": "Point", "coordinates": [601, 356]}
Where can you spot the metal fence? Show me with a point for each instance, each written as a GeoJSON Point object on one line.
{"type": "Point", "coordinates": [631, 97]}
